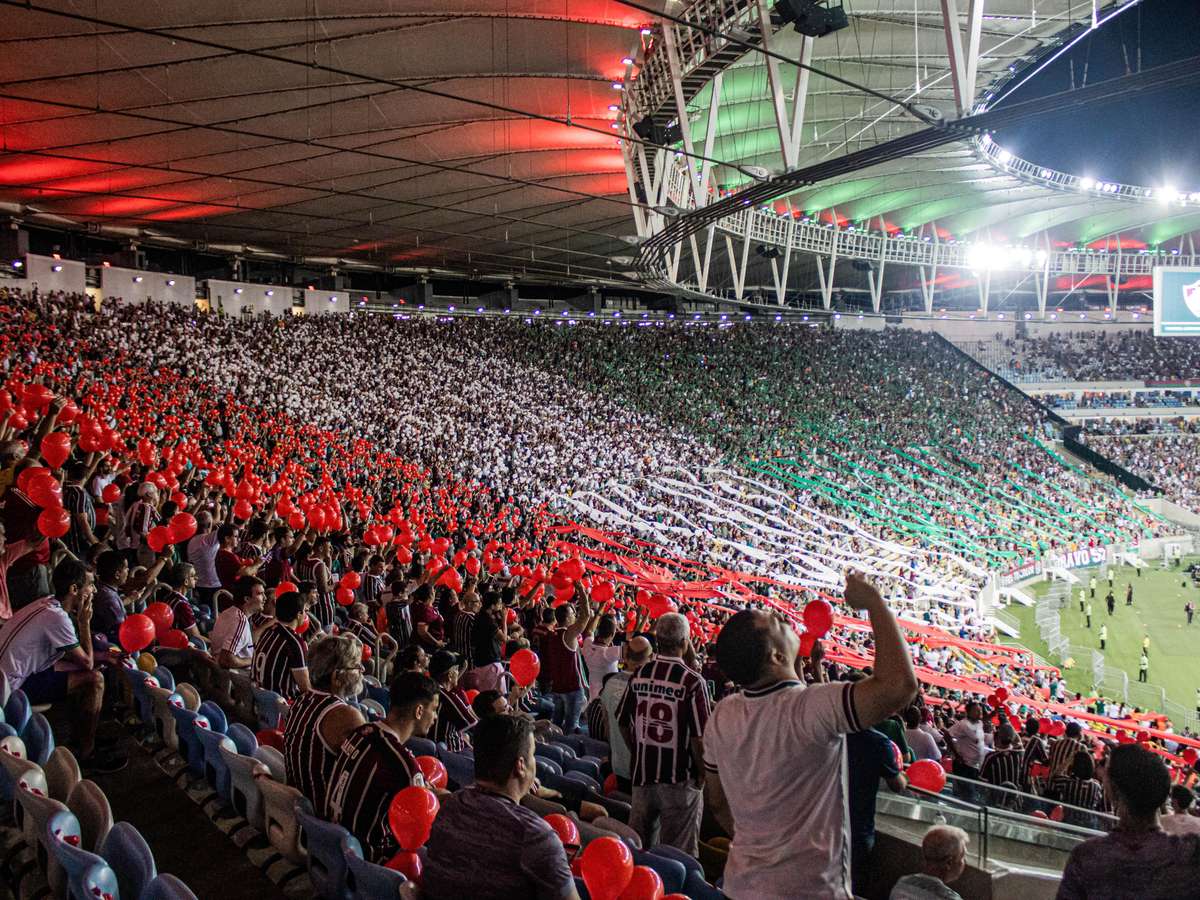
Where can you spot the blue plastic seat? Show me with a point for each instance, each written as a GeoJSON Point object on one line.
{"type": "Point", "coordinates": [189, 744]}
{"type": "Point", "coordinates": [216, 772]}
{"type": "Point", "coordinates": [326, 859]}
{"type": "Point", "coordinates": [39, 739]}
{"type": "Point", "coordinates": [555, 752]}
{"type": "Point", "coordinates": [380, 695]}
{"type": "Point", "coordinates": [672, 872]}
{"type": "Point", "coordinates": [366, 880]}
{"type": "Point", "coordinates": [7, 730]}
{"type": "Point", "coordinates": [63, 840]}
{"type": "Point", "coordinates": [546, 766]}
{"type": "Point", "coordinates": [166, 887]}
{"type": "Point", "coordinates": [215, 715]}
{"type": "Point", "coordinates": [690, 863]}
{"type": "Point", "coordinates": [266, 707]}
{"type": "Point", "coordinates": [698, 889]}
{"type": "Point", "coordinates": [164, 677]}
{"type": "Point", "coordinates": [244, 794]}
{"type": "Point", "coordinates": [243, 738]}
{"type": "Point", "coordinates": [17, 711]}
{"type": "Point", "coordinates": [130, 858]}
{"type": "Point", "coordinates": [572, 792]}
{"type": "Point", "coordinates": [421, 746]}
{"type": "Point", "coordinates": [459, 769]}
{"type": "Point", "coordinates": [142, 699]}
{"type": "Point", "coordinates": [586, 782]}
{"type": "Point", "coordinates": [589, 767]}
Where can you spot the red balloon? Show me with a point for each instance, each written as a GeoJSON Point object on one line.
{"type": "Point", "coordinates": [808, 640]}
{"type": "Point", "coordinates": [407, 864]}
{"type": "Point", "coordinates": [111, 493]}
{"type": "Point", "coordinates": [351, 580]}
{"type": "Point", "coordinates": [304, 625]}
{"type": "Point", "coordinates": [610, 784]}
{"type": "Point", "coordinates": [494, 565]}
{"type": "Point", "coordinates": [28, 476]}
{"type": "Point", "coordinates": [607, 868]}
{"type": "Point", "coordinates": [270, 737]}
{"type": "Point", "coordinates": [45, 491]}
{"type": "Point", "coordinates": [344, 596]}
{"type": "Point", "coordinates": [136, 632]}
{"type": "Point", "coordinates": [403, 555]}
{"type": "Point", "coordinates": [182, 527]}
{"type": "Point", "coordinates": [242, 509]}
{"type": "Point", "coordinates": [459, 558]}
{"type": "Point", "coordinates": [56, 447]}
{"type": "Point", "coordinates": [472, 564]}
{"type": "Point", "coordinates": [162, 616]}
{"type": "Point", "coordinates": [441, 545]}
{"type": "Point", "coordinates": [54, 522]}
{"type": "Point", "coordinates": [1190, 755]}
{"type": "Point", "coordinates": [818, 617]}
{"type": "Point", "coordinates": [644, 884]}
{"type": "Point", "coordinates": [431, 767]}
{"type": "Point", "coordinates": [285, 587]}
{"type": "Point", "coordinates": [525, 666]}
{"type": "Point", "coordinates": [604, 592]}
{"type": "Point", "coordinates": [158, 538]}
{"type": "Point", "coordinates": [1001, 694]}
{"type": "Point", "coordinates": [296, 521]}
{"type": "Point", "coordinates": [451, 579]}
{"type": "Point", "coordinates": [1056, 814]}
{"type": "Point", "coordinates": [642, 596]}
{"type": "Point", "coordinates": [174, 640]}
{"type": "Point", "coordinates": [567, 831]}
{"type": "Point", "coordinates": [410, 816]}
{"type": "Point", "coordinates": [927, 775]}
{"type": "Point", "coordinates": [284, 508]}
{"type": "Point", "coordinates": [470, 694]}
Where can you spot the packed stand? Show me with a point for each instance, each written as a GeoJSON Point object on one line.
{"type": "Point", "coordinates": [1109, 354]}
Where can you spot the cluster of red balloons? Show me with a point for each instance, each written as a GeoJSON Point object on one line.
{"type": "Point", "coordinates": [410, 817]}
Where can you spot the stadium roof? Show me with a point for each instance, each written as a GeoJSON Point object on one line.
{"type": "Point", "coordinates": [471, 135]}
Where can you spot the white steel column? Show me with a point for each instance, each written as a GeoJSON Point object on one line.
{"type": "Point", "coordinates": [790, 128]}
{"type": "Point", "coordinates": [963, 61]}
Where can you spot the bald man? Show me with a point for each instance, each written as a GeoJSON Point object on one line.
{"type": "Point", "coordinates": [634, 654]}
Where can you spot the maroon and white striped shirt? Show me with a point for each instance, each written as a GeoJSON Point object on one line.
{"type": "Point", "coordinates": [308, 759]}
{"type": "Point", "coordinates": [666, 705]}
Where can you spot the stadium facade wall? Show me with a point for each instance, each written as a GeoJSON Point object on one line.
{"type": "Point", "coordinates": [124, 284]}
{"type": "Point", "coordinates": [323, 303]}
{"type": "Point", "coordinates": [39, 272]}
{"type": "Point", "coordinates": [231, 297]}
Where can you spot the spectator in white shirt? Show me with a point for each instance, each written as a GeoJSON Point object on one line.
{"type": "Point", "coordinates": [599, 655]}
{"type": "Point", "coordinates": [967, 741]}
{"type": "Point", "coordinates": [232, 637]}
{"type": "Point", "coordinates": [1180, 820]}
{"type": "Point", "coordinates": [202, 553]}
{"type": "Point", "coordinates": [921, 741]}
{"type": "Point", "coordinates": [784, 803]}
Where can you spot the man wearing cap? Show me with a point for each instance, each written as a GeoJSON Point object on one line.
{"type": "Point", "coordinates": [455, 716]}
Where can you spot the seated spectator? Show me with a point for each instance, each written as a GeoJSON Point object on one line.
{"type": "Point", "coordinates": [1180, 819]}
{"type": "Point", "coordinates": [42, 654]}
{"type": "Point", "coordinates": [181, 579]}
{"type": "Point", "coordinates": [484, 843]}
{"type": "Point", "coordinates": [1078, 787]}
{"type": "Point", "coordinates": [943, 860]}
{"type": "Point", "coordinates": [232, 637]}
{"type": "Point", "coordinates": [1138, 858]}
{"type": "Point", "coordinates": [359, 625]}
{"type": "Point", "coordinates": [321, 719]}
{"type": "Point", "coordinates": [921, 741]}
{"type": "Point", "coordinates": [413, 658]}
{"type": "Point", "coordinates": [428, 625]}
{"type": "Point", "coordinates": [108, 609]}
{"type": "Point", "coordinates": [279, 656]}
{"type": "Point", "coordinates": [373, 764]}
{"type": "Point", "coordinates": [454, 711]}
{"type": "Point", "coordinates": [1006, 761]}
{"type": "Point", "coordinates": [799, 752]}
{"type": "Point", "coordinates": [1064, 749]}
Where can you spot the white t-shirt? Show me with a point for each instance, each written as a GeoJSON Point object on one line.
{"type": "Point", "coordinates": [781, 757]}
{"type": "Point", "coordinates": [1178, 823]}
{"type": "Point", "coordinates": [232, 632]}
{"type": "Point", "coordinates": [922, 743]}
{"type": "Point", "coordinates": [600, 660]}
{"type": "Point", "coordinates": [968, 742]}
{"type": "Point", "coordinates": [202, 553]}
{"type": "Point", "coordinates": [34, 639]}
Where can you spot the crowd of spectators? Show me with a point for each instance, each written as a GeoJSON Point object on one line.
{"type": "Point", "coordinates": [455, 432]}
{"type": "Point", "coordinates": [1109, 354]}
{"type": "Point", "coordinates": [1170, 462]}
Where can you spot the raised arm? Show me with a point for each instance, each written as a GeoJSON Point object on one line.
{"type": "Point", "coordinates": [893, 683]}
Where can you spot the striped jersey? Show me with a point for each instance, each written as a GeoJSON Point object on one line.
{"type": "Point", "coordinates": [1035, 754]}
{"type": "Point", "coordinates": [1084, 793]}
{"type": "Point", "coordinates": [371, 589]}
{"type": "Point", "coordinates": [1062, 754]}
{"type": "Point", "coordinates": [372, 765]}
{"type": "Point", "coordinates": [454, 717]}
{"type": "Point", "coordinates": [399, 621]}
{"type": "Point", "coordinates": [460, 636]}
{"type": "Point", "coordinates": [1002, 766]}
{"type": "Point", "coordinates": [322, 610]}
{"type": "Point", "coordinates": [307, 758]}
{"type": "Point", "coordinates": [596, 718]}
{"type": "Point", "coordinates": [278, 651]}
{"type": "Point", "coordinates": [666, 705]}
{"type": "Point", "coordinates": [361, 630]}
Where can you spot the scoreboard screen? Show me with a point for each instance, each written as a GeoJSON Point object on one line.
{"type": "Point", "coordinates": [1176, 301]}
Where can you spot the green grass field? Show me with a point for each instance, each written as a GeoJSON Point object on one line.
{"type": "Point", "coordinates": [1158, 601]}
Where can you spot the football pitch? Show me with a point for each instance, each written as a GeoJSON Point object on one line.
{"type": "Point", "coordinates": [1159, 597]}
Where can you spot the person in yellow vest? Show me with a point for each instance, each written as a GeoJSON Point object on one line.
{"type": "Point", "coordinates": [1144, 667]}
{"type": "Point", "coordinates": [1088, 612]}
{"type": "Point", "coordinates": [1146, 645]}
{"type": "Point", "coordinates": [1103, 635]}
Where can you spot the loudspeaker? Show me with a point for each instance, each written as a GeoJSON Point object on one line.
{"type": "Point", "coordinates": [657, 134]}
{"type": "Point", "coordinates": [812, 17]}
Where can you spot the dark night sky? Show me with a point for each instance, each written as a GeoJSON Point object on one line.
{"type": "Point", "coordinates": [1146, 141]}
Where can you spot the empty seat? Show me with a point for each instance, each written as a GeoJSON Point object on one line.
{"type": "Point", "coordinates": [17, 711]}
{"type": "Point", "coordinates": [542, 807]}
{"type": "Point", "coordinates": [38, 738]}
{"type": "Point", "coordinates": [164, 723]}
{"type": "Point", "coordinates": [588, 767]}
{"type": "Point", "coordinates": [244, 795]}
{"type": "Point", "coordinates": [547, 766]}
{"type": "Point", "coordinates": [619, 828]}
{"type": "Point", "coordinates": [130, 858]}
{"type": "Point", "coordinates": [243, 738]}
{"type": "Point", "coordinates": [215, 716]}
{"type": "Point", "coordinates": [690, 863]}
{"type": "Point", "coordinates": [672, 872]}
{"type": "Point", "coordinates": [696, 887]}
{"type": "Point", "coordinates": [191, 696]}
{"type": "Point", "coordinates": [190, 747]}
{"type": "Point", "coordinates": [617, 809]}
{"type": "Point", "coordinates": [267, 707]}
{"type": "Point", "coordinates": [62, 841]}
{"type": "Point", "coordinates": [91, 808]}
{"type": "Point", "coordinates": [167, 887]}
{"type": "Point", "coordinates": [12, 764]}
{"type": "Point", "coordinates": [587, 783]}
{"type": "Point", "coordinates": [216, 772]}
{"type": "Point", "coordinates": [366, 880]}
{"type": "Point", "coordinates": [326, 860]}
{"type": "Point", "coordinates": [37, 810]}
{"type": "Point", "coordinates": [273, 760]}
{"type": "Point", "coordinates": [62, 773]}
{"type": "Point", "coordinates": [279, 818]}
{"type": "Point", "coordinates": [164, 678]}
{"type": "Point", "coordinates": [4, 689]}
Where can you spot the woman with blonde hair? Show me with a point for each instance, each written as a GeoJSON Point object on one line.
{"type": "Point", "coordinates": [321, 718]}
